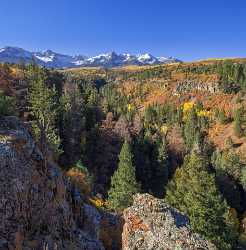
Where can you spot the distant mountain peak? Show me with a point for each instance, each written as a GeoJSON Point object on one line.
{"type": "Point", "coordinates": [51, 59]}
{"type": "Point", "coordinates": [49, 51]}
{"type": "Point", "coordinates": [147, 58]}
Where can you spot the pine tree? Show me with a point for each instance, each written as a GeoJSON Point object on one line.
{"type": "Point", "coordinates": [123, 182]}
{"type": "Point", "coordinates": [194, 192]}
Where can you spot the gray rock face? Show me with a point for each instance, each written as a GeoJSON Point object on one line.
{"type": "Point", "coordinates": [38, 208]}
{"type": "Point", "coordinates": [191, 85]}
{"type": "Point", "coordinates": [151, 224]}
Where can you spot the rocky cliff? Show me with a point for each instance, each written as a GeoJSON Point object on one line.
{"type": "Point", "coordinates": [38, 207]}
{"type": "Point", "coordinates": [151, 224]}
{"type": "Point", "coordinates": [41, 210]}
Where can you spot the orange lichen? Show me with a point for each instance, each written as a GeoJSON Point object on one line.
{"type": "Point", "coordinates": [135, 223]}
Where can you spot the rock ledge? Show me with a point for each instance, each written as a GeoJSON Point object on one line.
{"type": "Point", "coordinates": [152, 224]}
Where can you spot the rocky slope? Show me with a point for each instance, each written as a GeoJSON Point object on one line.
{"type": "Point", "coordinates": [38, 207]}
{"type": "Point", "coordinates": [52, 59]}
{"type": "Point", "coordinates": [151, 224]}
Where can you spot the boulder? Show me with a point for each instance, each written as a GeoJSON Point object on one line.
{"type": "Point", "coordinates": [150, 223]}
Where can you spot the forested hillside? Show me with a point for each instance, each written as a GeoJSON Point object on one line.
{"type": "Point", "coordinates": [175, 131]}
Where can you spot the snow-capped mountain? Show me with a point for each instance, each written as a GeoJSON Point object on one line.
{"type": "Point", "coordinates": [147, 58]}
{"type": "Point", "coordinates": [14, 55]}
{"type": "Point", "coordinates": [52, 59]}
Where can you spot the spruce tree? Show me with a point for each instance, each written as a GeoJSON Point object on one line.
{"type": "Point", "coordinates": [193, 191]}
{"type": "Point", "coordinates": [123, 182]}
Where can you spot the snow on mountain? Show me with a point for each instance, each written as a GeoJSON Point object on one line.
{"type": "Point", "coordinates": [78, 59]}
{"type": "Point", "coordinates": [52, 59]}
{"type": "Point", "coordinates": [45, 59]}
{"type": "Point", "coordinates": [163, 59]}
{"type": "Point", "coordinates": [78, 62]}
{"type": "Point", "coordinates": [56, 60]}
{"type": "Point", "coordinates": [147, 59]}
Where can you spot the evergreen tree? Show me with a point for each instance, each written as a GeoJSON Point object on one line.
{"type": "Point", "coordinates": [243, 178]}
{"type": "Point", "coordinates": [227, 162]}
{"type": "Point", "coordinates": [72, 125]}
{"type": "Point", "coordinates": [228, 167]}
{"type": "Point", "coordinates": [230, 76]}
{"type": "Point", "coordinates": [244, 78]}
{"type": "Point", "coordinates": [221, 116]}
{"type": "Point", "coordinates": [160, 168]}
{"type": "Point", "coordinates": [7, 105]}
{"type": "Point", "coordinates": [143, 160]}
{"type": "Point", "coordinates": [123, 182]}
{"type": "Point", "coordinates": [191, 129]}
{"type": "Point", "coordinates": [44, 111]}
{"type": "Point", "coordinates": [194, 192]}
{"type": "Point", "coordinates": [149, 116]}
{"type": "Point", "coordinates": [238, 122]}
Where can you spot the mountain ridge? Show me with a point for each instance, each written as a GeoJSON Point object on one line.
{"type": "Point", "coordinates": [51, 59]}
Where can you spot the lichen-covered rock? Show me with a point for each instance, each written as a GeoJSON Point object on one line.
{"type": "Point", "coordinates": [38, 208]}
{"type": "Point", "coordinates": [152, 224]}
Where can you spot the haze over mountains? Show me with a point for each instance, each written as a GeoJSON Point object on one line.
{"type": "Point", "coordinates": [52, 59]}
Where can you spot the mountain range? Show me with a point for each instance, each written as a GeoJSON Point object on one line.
{"type": "Point", "coordinates": [51, 59]}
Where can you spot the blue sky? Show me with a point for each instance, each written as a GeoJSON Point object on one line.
{"type": "Point", "coordinates": [186, 29]}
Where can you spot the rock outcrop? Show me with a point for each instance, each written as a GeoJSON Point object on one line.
{"type": "Point", "coordinates": [39, 209]}
{"type": "Point", "coordinates": [191, 85]}
{"type": "Point", "coordinates": [151, 224]}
